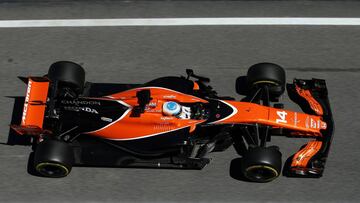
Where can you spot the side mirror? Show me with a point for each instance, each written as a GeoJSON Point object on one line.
{"type": "Point", "coordinates": [189, 72]}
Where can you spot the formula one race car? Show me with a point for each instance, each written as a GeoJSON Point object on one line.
{"type": "Point", "coordinates": [173, 122]}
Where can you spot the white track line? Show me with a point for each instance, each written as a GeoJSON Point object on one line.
{"type": "Point", "coordinates": [177, 22]}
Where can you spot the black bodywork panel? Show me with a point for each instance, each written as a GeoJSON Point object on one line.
{"type": "Point", "coordinates": [220, 111]}
{"type": "Point", "coordinates": [179, 84]}
{"type": "Point", "coordinates": [90, 114]}
{"type": "Point", "coordinates": [165, 151]}
{"type": "Point", "coordinates": [105, 89]}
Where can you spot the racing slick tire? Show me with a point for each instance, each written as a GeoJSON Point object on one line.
{"type": "Point", "coordinates": [269, 74]}
{"type": "Point", "coordinates": [68, 74]}
{"type": "Point", "coordinates": [261, 164]}
{"type": "Point", "coordinates": [53, 158]}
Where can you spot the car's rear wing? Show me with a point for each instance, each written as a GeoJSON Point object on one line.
{"type": "Point", "coordinates": [312, 97]}
{"type": "Point", "coordinates": [34, 106]}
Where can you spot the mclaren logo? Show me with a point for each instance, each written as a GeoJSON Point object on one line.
{"type": "Point", "coordinates": [26, 103]}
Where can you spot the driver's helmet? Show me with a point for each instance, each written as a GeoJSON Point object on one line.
{"type": "Point", "coordinates": [171, 108]}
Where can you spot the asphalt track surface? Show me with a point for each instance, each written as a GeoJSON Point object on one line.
{"type": "Point", "coordinates": [139, 54]}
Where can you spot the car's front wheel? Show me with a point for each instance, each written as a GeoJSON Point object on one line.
{"type": "Point", "coordinates": [269, 74]}
{"type": "Point", "coordinates": [261, 164]}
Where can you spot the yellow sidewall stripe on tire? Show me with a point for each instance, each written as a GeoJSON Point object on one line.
{"type": "Point", "coordinates": [261, 166]}
{"type": "Point", "coordinates": [38, 167]}
{"type": "Point", "coordinates": [265, 81]}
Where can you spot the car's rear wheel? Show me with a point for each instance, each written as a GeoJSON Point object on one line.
{"type": "Point", "coordinates": [68, 75]}
{"type": "Point", "coordinates": [53, 158]}
{"type": "Point", "coordinates": [261, 164]}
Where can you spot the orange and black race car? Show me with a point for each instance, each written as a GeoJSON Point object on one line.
{"type": "Point", "coordinates": [173, 122]}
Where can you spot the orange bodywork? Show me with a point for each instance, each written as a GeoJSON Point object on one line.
{"type": "Point", "coordinates": [245, 112]}
{"type": "Point", "coordinates": [35, 103]}
{"type": "Point", "coordinates": [152, 121]}
{"type": "Point", "coordinates": [196, 86]}
{"type": "Point", "coordinates": [302, 157]}
{"type": "Point", "coordinates": [314, 105]}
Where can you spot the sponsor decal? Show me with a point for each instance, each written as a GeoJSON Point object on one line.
{"type": "Point", "coordinates": [313, 123]}
{"type": "Point", "coordinates": [78, 108]}
{"type": "Point", "coordinates": [307, 122]}
{"type": "Point", "coordinates": [164, 126]}
{"type": "Point", "coordinates": [169, 96]}
{"type": "Point", "coordinates": [106, 119]}
{"type": "Point", "coordinates": [296, 121]}
{"type": "Point", "coordinates": [81, 102]}
{"type": "Point", "coordinates": [282, 117]}
{"type": "Point", "coordinates": [26, 104]}
{"type": "Point", "coordinates": [323, 125]}
{"type": "Point", "coordinates": [153, 110]}
{"type": "Point", "coordinates": [152, 104]}
{"type": "Point", "coordinates": [149, 107]}
{"type": "Point", "coordinates": [166, 118]}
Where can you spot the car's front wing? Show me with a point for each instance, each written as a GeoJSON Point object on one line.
{"type": "Point", "coordinates": [312, 97]}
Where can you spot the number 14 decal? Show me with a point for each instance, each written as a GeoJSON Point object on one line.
{"type": "Point", "coordinates": [282, 117]}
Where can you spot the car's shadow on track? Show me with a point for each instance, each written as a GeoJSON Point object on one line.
{"type": "Point", "coordinates": [13, 137]}
{"type": "Point", "coordinates": [235, 170]}
{"type": "Point", "coordinates": [30, 166]}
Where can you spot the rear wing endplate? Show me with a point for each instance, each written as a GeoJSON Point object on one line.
{"type": "Point", "coordinates": [34, 106]}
